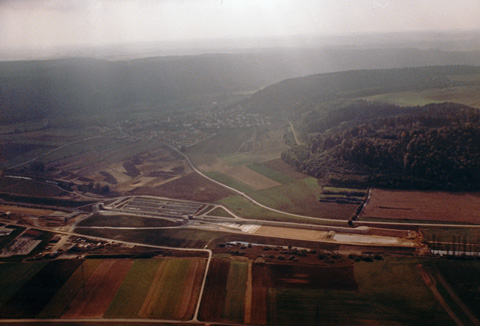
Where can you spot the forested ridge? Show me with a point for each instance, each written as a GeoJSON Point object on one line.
{"type": "Point", "coordinates": [436, 146]}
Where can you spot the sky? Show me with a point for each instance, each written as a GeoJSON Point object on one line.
{"type": "Point", "coordinates": [56, 23]}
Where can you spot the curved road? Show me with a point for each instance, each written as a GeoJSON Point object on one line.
{"type": "Point", "coordinates": [244, 195]}
{"type": "Point", "coordinates": [366, 223]}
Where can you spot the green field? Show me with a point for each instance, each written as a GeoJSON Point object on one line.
{"type": "Point", "coordinates": [59, 303]}
{"type": "Point", "coordinates": [270, 173]}
{"type": "Point", "coordinates": [464, 278]}
{"type": "Point", "coordinates": [169, 287]}
{"type": "Point", "coordinates": [14, 275]}
{"type": "Point", "coordinates": [219, 212]}
{"type": "Point", "coordinates": [247, 209]}
{"type": "Point", "coordinates": [301, 197]}
{"type": "Point", "coordinates": [234, 308]}
{"type": "Point", "coordinates": [294, 197]}
{"type": "Point", "coordinates": [236, 159]}
{"type": "Point", "coordinates": [229, 181]}
{"type": "Point", "coordinates": [129, 298]}
{"type": "Point", "coordinates": [391, 292]}
{"type": "Point", "coordinates": [467, 95]}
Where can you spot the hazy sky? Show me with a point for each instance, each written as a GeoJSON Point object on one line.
{"type": "Point", "coordinates": [47, 23]}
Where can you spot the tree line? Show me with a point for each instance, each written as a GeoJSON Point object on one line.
{"type": "Point", "coordinates": [436, 146]}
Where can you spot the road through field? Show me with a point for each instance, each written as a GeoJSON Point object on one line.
{"type": "Point", "coordinates": [197, 307]}
{"type": "Point", "coordinates": [311, 218]}
{"type": "Point", "coordinates": [244, 195]}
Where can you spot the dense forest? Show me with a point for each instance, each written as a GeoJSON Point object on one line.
{"type": "Point", "coordinates": [436, 146]}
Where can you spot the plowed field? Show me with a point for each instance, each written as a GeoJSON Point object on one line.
{"type": "Point", "coordinates": [92, 300]}
{"type": "Point", "coordinates": [424, 205]}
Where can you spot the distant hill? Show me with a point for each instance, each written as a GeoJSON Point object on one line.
{"type": "Point", "coordinates": [304, 93]}
{"type": "Point", "coordinates": [31, 90]}
{"type": "Point", "coordinates": [352, 142]}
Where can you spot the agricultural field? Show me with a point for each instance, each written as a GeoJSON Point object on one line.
{"type": "Point", "coordinates": [271, 173]}
{"type": "Point", "coordinates": [29, 188]}
{"type": "Point", "coordinates": [346, 293]}
{"type": "Point", "coordinates": [429, 206]}
{"type": "Point", "coordinates": [463, 278]}
{"type": "Point", "coordinates": [302, 197]}
{"type": "Point", "coordinates": [258, 171]}
{"type": "Point", "coordinates": [178, 237]}
{"type": "Point", "coordinates": [125, 221]}
{"type": "Point", "coordinates": [189, 187]}
{"type": "Point", "coordinates": [283, 168]}
{"type": "Point", "coordinates": [163, 288]}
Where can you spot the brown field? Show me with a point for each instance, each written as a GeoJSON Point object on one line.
{"type": "Point", "coordinates": [189, 187]}
{"type": "Point", "coordinates": [24, 210]}
{"type": "Point", "coordinates": [424, 205]}
{"type": "Point", "coordinates": [215, 290]}
{"type": "Point", "coordinates": [30, 188]}
{"type": "Point", "coordinates": [100, 288]}
{"type": "Point", "coordinates": [259, 303]}
{"type": "Point", "coordinates": [280, 166]}
{"type": "Point", "coordinates": [260, 279]}
{"type": "Point", "coordinates": [241, 173]}
{"type": "Point", "coordinates": [191, 290]}
{"type": "Point", "coordinates": [288, 233]}
{"type": "Point", "coordinates": [174, 291]}
{"type": "Point", "coordinates": [334, 277]}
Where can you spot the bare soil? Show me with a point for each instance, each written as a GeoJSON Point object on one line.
{"type": "Point", "coordinates": [424, 205]}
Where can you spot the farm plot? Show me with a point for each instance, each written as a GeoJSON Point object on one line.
{"type": "Point", "coordinates": [14, 275]}
{"type": "Point", "coordinates": [244, 208]}
{"type": "Point", "coordinates": [270, 173]}
{"type": "Point", "coordinates": [280, 166]}
{"type": "Point", "coordinates": [230, 181]}
{"type": "Point", "coordinates": [179, 237]}
{"type": "Point", "coordinates": [29, 187]}
{"type": "Point", "coordinates": [215, 292]}
{"type": "Point", "coordinates": [464, 277]}
{"type": "Point", "coordinates": [100, 288]}
{"type": "Point", "coordinates": [126, 221]}
{"type": "Point", "coordinates": [131, 294]}
{"type": "Point", "coordinates": [424, 206]}
{"type": "Point", "coordinates": [231, 170]}
{"type": "Point", "coordinates": [301, 197]}
{"type": "Point", "coordinates": [32, 297]}
{"type": "Point", "coordinates": [189, 187]}
{"type": "Point", "coordinates": [389, 293]}
{"type": "Point", "coordinates": [174, 290]}
{"type": "Point", "coordinates": [234, 308]}
{"type": "Point", "coordinates": [59, 303]}
{"type": "Point", "coordinates": [238, 291]}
